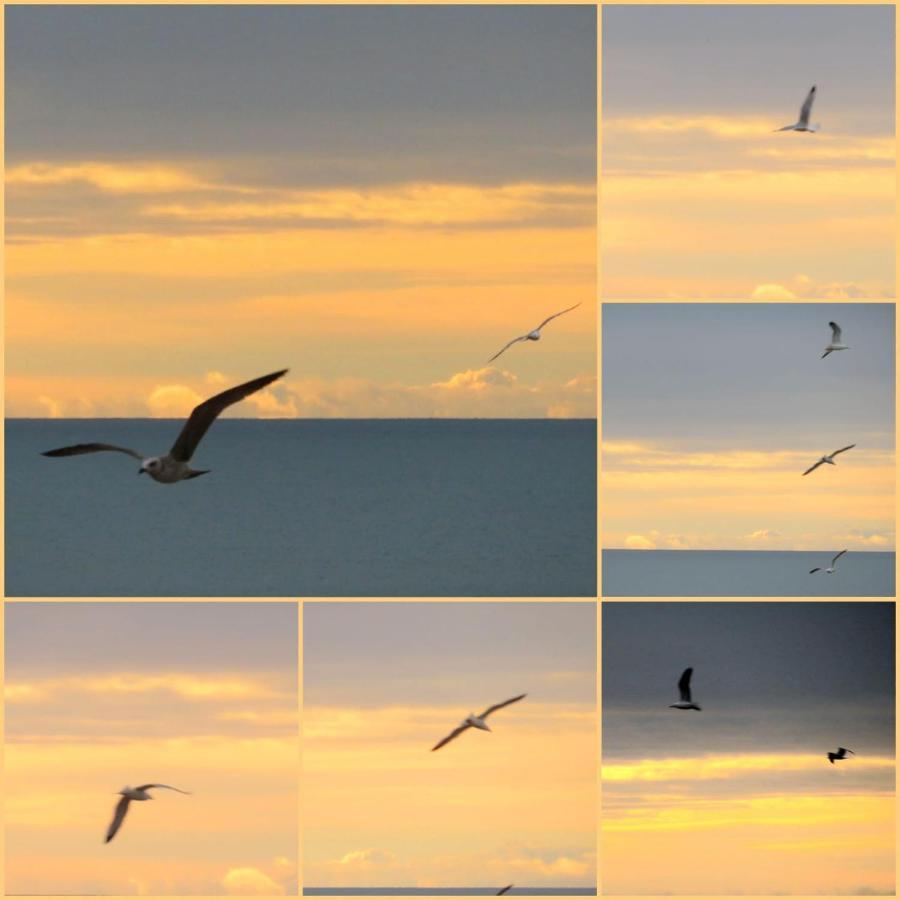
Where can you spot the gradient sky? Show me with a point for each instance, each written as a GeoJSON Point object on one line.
{"type": "Point", "coordinates": [740, 798]}
{"type": "Point", "coordinates": [202, 696]}
{"type": "Point", "coordinates": [383, 682]}
{"type": "Point", "coordinates": [378, 198]}
{"type": "Point", "coordinates": [700, 199]}
{"type": "Point", "coordinates": [711, 412]}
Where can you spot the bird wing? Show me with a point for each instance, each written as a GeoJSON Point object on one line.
{"type": "Point", "coordinates": [817, 569]}
{"type": "Point", "coordinates": [806, 109]}
{"type": "Point", "coordinates": [121, 809]}
{"type": "Point", "coordinates": [835, 332]}
{"type": "Point", "coordinates": [555, 315]}
{"type": "Point", "coordinates": [825, 353]}
{"type": "Point", "coordinates": [146, 787]}
{"type": "Point", "coordinates": [513, 341]}
{"type": "Point", "coordinates": [684, 685]}
{"type": "Point", "coordinates": [813, 468]}
{"type": "Point", "coordinates": [845, 750]}
{"type": "Point", "coordinates": [497, 706]}
{"type": "Point", "coordinates": [848, 447]}
{"type": "Point", "coordinates": [453, 734]}
{"type": "Point", "coordinates": [836, 558]}
{"type": "Point", "coordinates": [78, 449]}
{"type": "Point", "coordinates": [206, 413]}
{"type": "Point", "coordinates": [503, 890]}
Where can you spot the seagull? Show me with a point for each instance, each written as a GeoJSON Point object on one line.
{"type": "Point", "coordinates": [684, 688]}
{"type": "Point", "coordinates": [473, 721]}
{"type": "Point", "coordinates": [503, 890]}
{"type": "Point", "coordinates": [174, 465]}
{"type": "Point", "coordinates": [802, 124]}
{"type": "Point", "coordinates": [532, 335]}
{"type": "Point", "coordinates": [828, 459]}
{"type": "Point", "coordinates": [841, 754]}
{"type": "Point", "coordinates": [835, 340]}
{"type": "Point", "coordinates": [830, 569]}
{"type": "Point", "coordinates": [129, 794]}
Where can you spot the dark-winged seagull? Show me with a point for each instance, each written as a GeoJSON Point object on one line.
{"type": "Point", "coordinates": [684, 689]}
{"type": "Point", "coordinates": [836, 340]}
{"type": "Point", "coordinates": [174, 465]}
{"type": "Point", "coordinates": [473, 721]}
{"type": "Point", "coordinates": [841, 754]}
{"type": "Point", "coordinates": [129, 794]}
{"type": "Point", "coordinates": [830, 569]}
{"type": "Point", "coordinates": [802, 124]}
{"type": "Point", "coordinates": [534, 335]}
{"type": "Point", "coordinates": [828, 459]}
{"type": "Point", "coordinates": [503, 890]}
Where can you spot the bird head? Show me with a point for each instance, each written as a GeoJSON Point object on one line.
{"type": "Point", "coordinates": [150, 464]}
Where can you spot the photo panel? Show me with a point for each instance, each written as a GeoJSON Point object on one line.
{"type": "Point", "coordinates": [191, 705]}
{"type": "Point", "coordinates": [449, 748]}
{"type": "Point", "coordinates": [748, 151]}
{"type": "Point", "coordinates": [748, 450]}
{"type": "Point", "coordinates": [762, 732]}
{"type": "Point", "coordinates": [363, 236]}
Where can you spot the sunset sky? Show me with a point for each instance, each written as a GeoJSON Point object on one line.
{"type": "Point", "coordinates": [384, 682]}
{"type": "Point", "coordinates": [202, 696]}
{"type": "Point", "coordinates": [740, 798]}
{"type": "Point", "coordinates": [378, 198]}
{"type": "Point", "coordinates": [700, 199]}
{"type": "Point", "coordinates": [712, 412]}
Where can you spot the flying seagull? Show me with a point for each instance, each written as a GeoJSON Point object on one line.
{"type": "Point", "coordinates": [174, 465]}
{"type": "Point", "coordinates": [684, 688]}
{"type": "Point", "coordinates": [830, 569]}
{"type": "Point", "coordinates": [532, 335]}
{"type": "Point", "coordinates": [473, 721]}
{"type": "Point", "coordinates": [503, 890]}
{"type": "Point", "coordinates": [129, 794]}
{"type": "Point", "coordinates": [835, 340]}
{"type": "Point", "coordinates": [829, 459]}
{"type": "Point", "coordinates": [841, 754]}
{"type": "Point", "coordinates": [802, 124]}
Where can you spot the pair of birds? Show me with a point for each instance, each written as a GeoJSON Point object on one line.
{"type": "Point", "coordinates": [175, 466]}
{"type": "Point", "coordinates": [687, 702]}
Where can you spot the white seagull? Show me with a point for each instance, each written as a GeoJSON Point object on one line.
{"type": "Point", "coordinates": [835, 340]}
{"type": "Point", "coordinates": [830, 569]}
{"type": "Point", "coordinates": [841, 754]}
{"type": "Point", "coordinates": [129, 794]}
{"type": "Point", "coordinates": [174, 465]}
{"type": "Point", "coordinates": [532, 335]}
{"type": "Point", "coordinates": [828, 459]}
{"type": "Point", "coordinates": [473, 721]}
{"type": "Point", "coordinates": [684, 689]}
{"type": "Point", "coordinates": [802, 124]}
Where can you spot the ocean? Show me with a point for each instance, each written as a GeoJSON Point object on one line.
{"type": "Point", "coordinates": [745, 573]}
{"type": "Point", "coordinates": [306, 508]}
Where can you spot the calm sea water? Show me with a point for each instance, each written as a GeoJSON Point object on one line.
{"type": "Point", "coordinates": [306, 508]}
{"type": "Point", "coordinates": [447, 892]}
{"type": "Point", "coordinates": [744, 573]}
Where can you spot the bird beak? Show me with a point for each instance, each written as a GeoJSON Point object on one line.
{"type": "Point", "coordinates": [141, 471]}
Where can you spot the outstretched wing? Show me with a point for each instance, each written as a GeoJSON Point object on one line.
{"type": "Point", "coordinates": [813, 467]}
{"type": "Point", "coordinates": [845, 750]}
{"type": "Point", "coordinates": [146, 787]}
{"type": "Point", "coordinates": [835, 332]}
{"type": "Point", "coordinates": [836, 558]}
{"type": "Point", "coordinates": [497, 706]}
{"type": "Point", "coordinates": [78, 449]}
{"type": "Point", "coordinates": [503, 890]}
{"type": "Point", "coordinates": [453, 734]}
{"type": "Point", "coordinates": [556, 315]}
{"type": "Point", "coordinates": [119, 815]}
{"type": "Point", "coordinates": [684, 684]}
{"type": "Point", "coordinates": [817, 569]}
{"type": "Point", "coordinates": [500, 352]}
{"type": "Point", "coordinates": [806, 109]}
{"type": "Point", "coordinates": [848, 447]}
{"type": "Point", "coordinates": [206, 413]}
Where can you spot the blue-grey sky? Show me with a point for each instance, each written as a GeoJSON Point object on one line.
{"type": "Point", "coordinates": [769, 677]}
{"type": "Point", "coordinates": [748, 375]}
{"type": "Point", "coordinates": [329, 93]}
